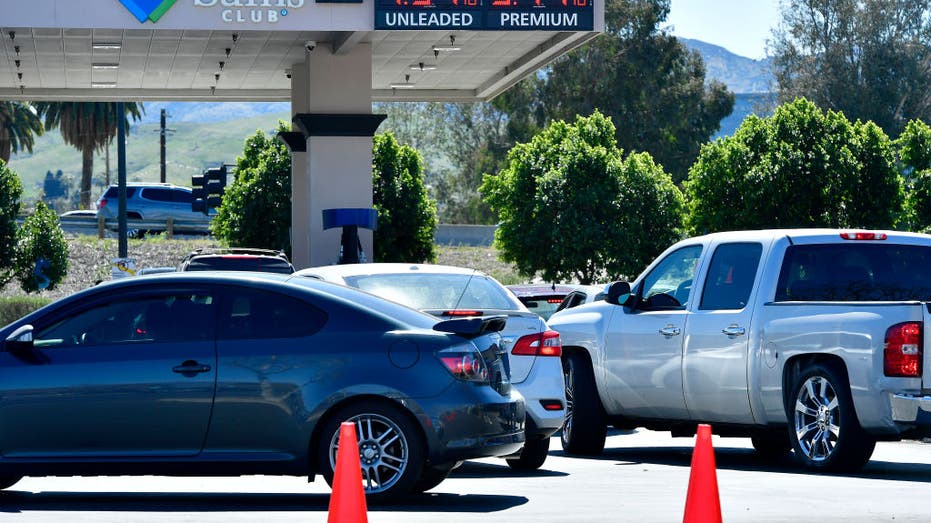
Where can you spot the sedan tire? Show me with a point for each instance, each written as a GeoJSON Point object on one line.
{"type": "Point", "coordinates": [8, 481]}
{"type": "Point", "coordinates": [532, 456]}
{"type": "Point", "coordinates": [586, 428]}
{"type": "Point", "coordinates": [391, 449]}
{"type": "Point", "coordinates": [431, 477]}
{"type": "Point", "coordinates": [825, 432]}
{"type": "Point", "coordinates": [771, 444]}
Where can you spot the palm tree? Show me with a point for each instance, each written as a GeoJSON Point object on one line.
{"type": "Point", "coordinates": [88, 126]}
{"type": "Point", "coordinates": [19, 125]}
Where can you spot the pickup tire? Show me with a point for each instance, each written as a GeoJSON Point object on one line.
{"type": "Point", "coordinates": [586, 427]}
{"type": "Point", "coordinates": [824, 430]}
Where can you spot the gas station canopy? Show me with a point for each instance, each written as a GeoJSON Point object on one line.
{"type": "Point", "coordinates": [244, 50]}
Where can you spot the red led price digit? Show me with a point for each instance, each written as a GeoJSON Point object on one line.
{"type": "Point", "coordinates": [422, 3]}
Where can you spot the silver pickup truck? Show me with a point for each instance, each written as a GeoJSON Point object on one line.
{"type": "Point", "coordinates": [808, 340]}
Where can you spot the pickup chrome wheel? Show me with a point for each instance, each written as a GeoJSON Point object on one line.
{"type": "Point", "coordinates": [391, 449]}
{"type": "Point", "coordinates": [586, 428]}
{"type": "Point", "coordinates": [826, 434]}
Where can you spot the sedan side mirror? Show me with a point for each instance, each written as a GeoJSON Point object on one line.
{"type": "Point", "coordinates": [20, 339]}
{"type": "Point", "coordinates": [618, 293]}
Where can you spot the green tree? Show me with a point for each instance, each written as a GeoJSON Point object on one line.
{"type": "Point", "coordinates": [10, 192]}
{"type": "Point", "coordinates": [475, 141]}
{"type": "Point", "coordinates": [89, 127]}
{"type": "Point", "coordinates": [406, 215]}
{"type": "Point", "coordinates": [256, 208]}
{"type": "Point", "coordinates": [571, 207]}
{"type": "Point", "coordinates": [42, 252]}
{"type": "Point", "coordinates": [19, 125]}
{"type": "Point", "coordinates": [914, 147]}
{"type": "Point", "coordinates": [643, 77]}
{"type": "Point", "coordinates": [800, 167]}
{"type": "Point", "coordinates": [870, 59]}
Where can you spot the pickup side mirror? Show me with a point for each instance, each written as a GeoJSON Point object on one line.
{"type": "Point", "coordinates": [20, 340]}
{"type": "Point", "coordinates": [618, 293]}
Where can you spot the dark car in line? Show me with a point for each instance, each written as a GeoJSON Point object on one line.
{"type": "Point", "coordinates": [236, 259]}
{"type": "Point", "coordinates": [227, 374]}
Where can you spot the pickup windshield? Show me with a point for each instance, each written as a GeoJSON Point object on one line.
{"type": "Point", "coordinates": [855, 272]}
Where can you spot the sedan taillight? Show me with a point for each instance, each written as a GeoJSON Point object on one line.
{"type": "Point", "coordinates": [547, 343]}
{"type": "Point", "coordinates": [464, 363]}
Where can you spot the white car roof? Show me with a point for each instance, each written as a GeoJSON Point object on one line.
{"type": "Point", "coordinates": [337, 273]}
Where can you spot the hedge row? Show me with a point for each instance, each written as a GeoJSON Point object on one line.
{"type": "Point", "coordinates": [13, 308]}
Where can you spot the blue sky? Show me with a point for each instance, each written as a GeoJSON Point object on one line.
{"type": "Point", "coordinates": [740, 26]}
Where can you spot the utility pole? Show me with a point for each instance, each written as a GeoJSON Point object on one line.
{"type": "Point", "coordinates": [121, 175]}
{"type": "Point", "coordinates": [163, 132]}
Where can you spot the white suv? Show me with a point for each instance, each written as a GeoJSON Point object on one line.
{"type": "Point", "coordinates": [152, 202]}
{"type": "Point", "coordinates": [534, 350]}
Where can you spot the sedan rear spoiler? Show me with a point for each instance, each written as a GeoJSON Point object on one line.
{"type": "Point", "coordinates": [472, 327]}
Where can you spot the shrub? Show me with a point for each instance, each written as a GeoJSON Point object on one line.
{"type": "Point", "coordinates": [42, 252]}
{"type": "Point", "coordinates": [13, 308]}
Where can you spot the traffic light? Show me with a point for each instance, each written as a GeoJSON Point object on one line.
{"type": "Point", "coordinates": [208, 189]}
{"type": "Point", "coordinates": [198, 194]}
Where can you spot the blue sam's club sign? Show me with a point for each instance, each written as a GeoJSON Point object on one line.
{"type": "Point", "coordinates": [148, 10]}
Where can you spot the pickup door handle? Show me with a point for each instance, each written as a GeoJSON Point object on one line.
{"type": "Point", "coordinates": [734, 330]}
{"type": "Point", "coordinates": [670, 330]}
{"type": "Point", "coordinates": [191, 367]}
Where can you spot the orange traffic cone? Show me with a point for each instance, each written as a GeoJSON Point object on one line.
{"type": "Point", "coordinates": [702, 504]}
{"type": "Point", "coordinates": [347, 501]}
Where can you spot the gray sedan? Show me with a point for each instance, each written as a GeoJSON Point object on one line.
{"type": "Point", "coordinates": [231, 374]}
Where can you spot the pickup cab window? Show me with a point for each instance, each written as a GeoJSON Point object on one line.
{"type": "Point", "coordinates": [669, 284]}
{"type": "Point", "coordinates": [855, 272]}
{"type": "Point", "coordinates": [731, 276]}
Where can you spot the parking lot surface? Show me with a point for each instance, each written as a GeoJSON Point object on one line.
{"type": "Point", "coordinates": [642, 476]}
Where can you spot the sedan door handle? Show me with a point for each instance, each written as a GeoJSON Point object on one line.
{"type": "Point", "coordinates": [191, 367]}
{"type": "Point", "coordinates": [670, 330]}
{"type": "Point", "coordinates": [734, 330]}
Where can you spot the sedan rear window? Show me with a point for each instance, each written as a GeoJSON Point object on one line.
{"type": "Point", "coordinates": [436, 291]}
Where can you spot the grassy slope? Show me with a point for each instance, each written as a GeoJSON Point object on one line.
{"type": "Point", "coordinates": [190, 149]}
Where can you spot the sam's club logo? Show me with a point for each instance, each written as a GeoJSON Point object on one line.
{"type": "Point", "coordinates": [148, 9]}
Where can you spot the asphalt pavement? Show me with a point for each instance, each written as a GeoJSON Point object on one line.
{"type": "Point", "coordinates": [642, 476]}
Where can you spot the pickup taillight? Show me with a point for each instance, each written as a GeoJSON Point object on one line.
{"type": "Point", "coordinates": [902, 354]}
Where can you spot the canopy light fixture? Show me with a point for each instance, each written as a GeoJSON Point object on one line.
{"type": "Point", "coordinates": [107, 45]}
{"type": "Point", "coordinates": [103, 85]}
{"type": "Point", "coordinates": [406, 84]}
{"type": "Point", "coordinates": [105, 66]}
{"type": "Point", "coordinates": [448, 48]}
{"type": "Point", "coordinates": [420, 66]}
